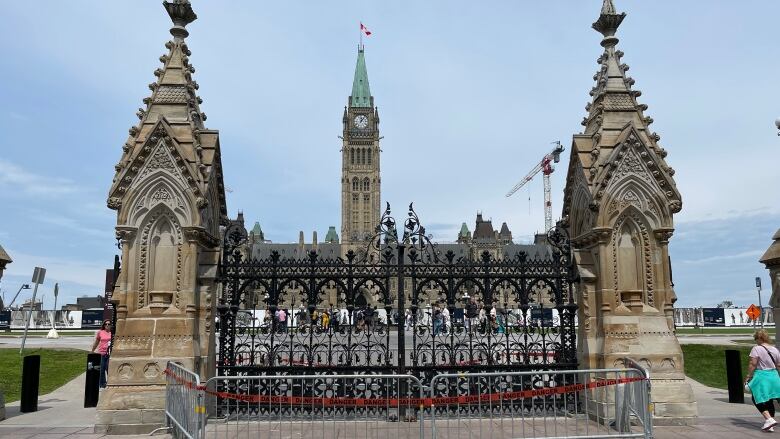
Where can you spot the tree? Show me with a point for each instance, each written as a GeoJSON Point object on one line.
{"type": "Point", "coordinates": [726, 304]}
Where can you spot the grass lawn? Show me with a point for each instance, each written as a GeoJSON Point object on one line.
{"type": "Point", "coordinates": [719, 331]}
{"type": "Point", "coordinates": [58, 366]}
{"type": "Point", "coordinates": [707, 363]}
{"type": "Point", "coordinates": [41, 334]}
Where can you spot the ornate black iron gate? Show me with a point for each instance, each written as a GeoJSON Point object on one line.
{"type": "Point", "coordinates": [402, 306]}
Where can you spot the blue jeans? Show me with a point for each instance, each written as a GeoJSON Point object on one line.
{"type": "Point", "coordinates": [103, 370]}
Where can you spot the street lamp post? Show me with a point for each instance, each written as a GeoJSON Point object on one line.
{"type": "Point", "coordinates": [23, 287]}
{"type": "Point", "coordinates": [760, 307]}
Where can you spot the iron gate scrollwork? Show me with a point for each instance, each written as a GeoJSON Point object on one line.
{"type": "Point", "coordinates": [403, 305]}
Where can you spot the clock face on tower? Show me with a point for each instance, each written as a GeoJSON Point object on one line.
{"type": "Point", "coordinates": [361, 121]}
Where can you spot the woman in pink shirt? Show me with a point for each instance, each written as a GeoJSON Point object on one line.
{"type": "Point", "coordinates": [763, 379]}
{"type": "Point", "coordinates": [102, 341]}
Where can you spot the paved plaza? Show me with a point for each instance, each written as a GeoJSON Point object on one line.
{"type": "Point", "coordinates": [61, 415]}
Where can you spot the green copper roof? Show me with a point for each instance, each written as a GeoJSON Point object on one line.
{"type": "Point", "coordinates": [361, 92]}
{"type": "Point", "coordinates": [464, 230]}
{"type": "Point", "coordinates": [257, 230]}
{"type": "Point", "coordinates": [332, 236]}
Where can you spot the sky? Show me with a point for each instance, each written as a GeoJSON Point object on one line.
{"type": "Point", "coordinates": [470, 96]}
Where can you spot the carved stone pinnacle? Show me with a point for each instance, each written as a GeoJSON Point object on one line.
{"type": "Point", "coordinates": [608, 23]}
{"type": "Point", "coordinates": [181, 14]}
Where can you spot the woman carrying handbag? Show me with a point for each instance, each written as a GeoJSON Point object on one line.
{"type": "Point", "coordinates": [763, 378]}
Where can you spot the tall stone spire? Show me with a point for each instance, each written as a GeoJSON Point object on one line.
{"type": "Point", "coordinates": [619, 203]}
{"type": "Point", "coordinates": [613, 113]}
{"type": "Point", "coordinates": [361, 92]}
{"type": "Point", "coordinates": [360, 171]}
{"type": "Point", "coordinates": [173, 100]}
{"type": "Point", "coordinates": [170, 201]}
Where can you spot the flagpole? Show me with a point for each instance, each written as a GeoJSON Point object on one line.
{"type": "Point", "coordinates": [360, 31]}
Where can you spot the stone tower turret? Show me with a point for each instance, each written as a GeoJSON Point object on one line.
{"type": "Point", "coordinates": [170, 201]}
{"type": "Point", "coordinates": [618, 203]}
{"type": "Point", "coordinates": [360, 158]}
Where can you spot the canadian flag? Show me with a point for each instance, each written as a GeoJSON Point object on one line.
{"type": "Point", "coordinates": [365, 30]}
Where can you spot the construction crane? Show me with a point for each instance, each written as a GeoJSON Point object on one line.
{"type": "Point", "coordinates": [546, 167]}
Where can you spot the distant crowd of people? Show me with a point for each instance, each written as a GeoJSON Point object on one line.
{"type": "Point", "coordinates": [364, 318]}
{"type": "Point", "coordinates": [439, 317]}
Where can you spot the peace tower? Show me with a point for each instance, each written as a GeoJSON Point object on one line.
{"type": "Point", "coordinates": [360, 179]}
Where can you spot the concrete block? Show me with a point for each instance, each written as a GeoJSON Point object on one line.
{"type": "Point", "coordinates": [674, 410]}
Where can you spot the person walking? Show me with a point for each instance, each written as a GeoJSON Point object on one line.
{"type": "Point", "coordinates": [763, 378]}
{"type": "Point", "coordinates": [325, 320]}
{"type": "Point", "coordinates": [482, 320]}
{"type": "Point", "coordinates": [100, 346]}
{"type": "Point", "coordinates": [445, 318]}
{"type": "Point", "coordinates": [282, 320]}
{"type": "Point", "coordinates": [471, 313]}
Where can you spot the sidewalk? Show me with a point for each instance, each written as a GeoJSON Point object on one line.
{"type": "Point", "coordinates": [718, 419]}
{"type": "Point", "coordinates": [61, 415]}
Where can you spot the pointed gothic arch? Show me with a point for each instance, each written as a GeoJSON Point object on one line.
{"type": "Point", "coordinates": [633, 190]}
{"type": "Point", "coordinates": [159, 253]}
{"type": "Point", "coordinates": [631, 255]}
{"type": "Point", "coordinates": [160, 188]}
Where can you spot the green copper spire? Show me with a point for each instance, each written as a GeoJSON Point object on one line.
{"type": "Point", "coordinates": [332, 236]}
{"type": "Point", "coordinates": [258, 231]}
{"type": "Point", "coordinates": [361, 93]}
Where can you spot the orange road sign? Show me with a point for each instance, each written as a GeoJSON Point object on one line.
{"type": "Point", "coordinates": [753, 312]}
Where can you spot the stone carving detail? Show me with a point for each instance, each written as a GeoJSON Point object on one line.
{"type": "Point", "coordinates": [151, 370]}
{"type": "Point", "coordinates": [631, 164]}
{"type": "Point", "coordinates": [125, 371]}
{"type": "Point", "coordinates": [144, 260]}
{"type": "Point", "coordinates": [629, 198]}
{"type": "Point", "coordinates": [171, 95]}
{"type": "Point", "coordinates": [160, 159]}
{"type": "Point", "coordinates": [632, 219]}
{"type": "Point", "coordinates": [133, 343]}
{"type": "Point", "coordinates": [162, 195]}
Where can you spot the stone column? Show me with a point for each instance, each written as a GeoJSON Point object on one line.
{"type": "Point", "coordinates": [771, 260]}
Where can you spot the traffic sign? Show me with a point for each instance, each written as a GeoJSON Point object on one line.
{"type": "Point", "coordinates": [753, 312]}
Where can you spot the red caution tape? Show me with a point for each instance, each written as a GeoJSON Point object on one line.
{"type": "Point", "coordinates": [406, 402]}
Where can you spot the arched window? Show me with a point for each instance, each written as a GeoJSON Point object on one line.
{"type": "Point", "coordinates": [362, 156]}
{"type": "Point", "coordinates": [368, 151]}
{"type": "Point", "coordinates": [352, 156]}
{"type": "Point", "coordinates": [355, 184]}
{"type": "Point", "coordinates": [366, 185]}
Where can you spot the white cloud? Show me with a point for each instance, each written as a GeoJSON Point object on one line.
{"type": "Point", "coordinates": [717, 258]}
{"type": "Point", "coordinates": [14, 178]}
{"type": "Point", "coordinates": [17, 116]}
{"type": "Point", "coordinates": [71, 224]}
{"type": "Point", "coordinates": [88, 273]}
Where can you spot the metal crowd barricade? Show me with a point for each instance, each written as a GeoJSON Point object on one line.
{"type": "Point", "coordinates": [315, 406]}
{"type": "Point", "coordinates": [184, 410]}
{"type": "Point", "coordinates": [584, 404]}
